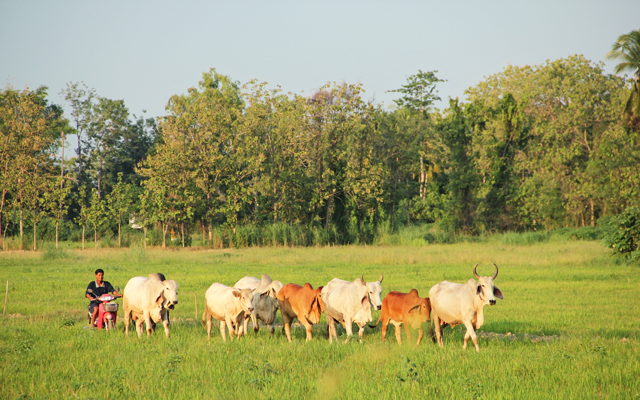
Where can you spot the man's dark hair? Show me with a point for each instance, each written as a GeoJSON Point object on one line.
{"type": "Point", "coordinates": [98, 271]}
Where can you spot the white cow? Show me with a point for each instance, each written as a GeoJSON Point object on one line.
{"type": "Point", "coordinates": [228, 305]}
{"type": "Point", "coordinates": [455, 303]}
{"type": "Point", "coordinates": [349, 302]}
{"type": "Point", "coordinates": [149, 300]}
{"type": "Point", "coordinates": [265, 301]}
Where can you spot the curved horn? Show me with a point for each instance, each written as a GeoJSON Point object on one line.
{"type": "Point", "coordinates": [381, 278]}
{"type": "Point", "coordinates": [474, 272]}
{"type": "Point", "coordinates": [496, 273]}
{"type": "Point", "coordinates": [362, 279]}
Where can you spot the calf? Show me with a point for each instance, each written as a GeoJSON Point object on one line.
{"type": "Point", "coordinates": [301, 302]}
{"type": "Point", "coordinates": [228, 305]}
{"type": "Point", "coordinates": [405, 308]}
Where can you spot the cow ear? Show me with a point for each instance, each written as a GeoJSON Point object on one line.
{"type": "Point", "coordinates": [273, 291]}
{"type": "Point", "coordinates": [160, 298]}
{"type": "Point", "coordinates": [414, 309]}
{"type": "Point", "coordinates": [236, 293]}
{"type": "Point", "coordinates": [497, 293]}
{"type": "Point", "coordinates": [479, 289]}
{"type": "Point", "coordinates": [265, 294]}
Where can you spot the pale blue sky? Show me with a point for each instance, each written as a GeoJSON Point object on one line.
{"type": "Point", "coordinates": [146, 51]}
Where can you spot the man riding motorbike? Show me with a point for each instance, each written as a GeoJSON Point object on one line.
{"type": "Point", "coordinates": [98, 288]}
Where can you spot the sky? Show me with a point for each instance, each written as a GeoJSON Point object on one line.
{"type": "Point", "coordinates": [144, 52]}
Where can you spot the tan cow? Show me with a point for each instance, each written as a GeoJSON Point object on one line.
{"type": "Point", "coordinates": [149, 300]}
{"type": "Point", "coordinates": [265, 301]}
{"type": "Point", "coordinates": [228, 305]}
{"type": "Point", "coordinates": [301, 302]}
{"type": "Point", "coordinates": [455, 303]}
{"type": "Point", "coordinates": [404, 308]}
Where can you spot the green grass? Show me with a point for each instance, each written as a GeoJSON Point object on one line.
{"type": "Point", "coordinates": [571, 310]}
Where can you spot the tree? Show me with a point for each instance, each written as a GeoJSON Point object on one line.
{"type": "Point", "coordinates": [81, 100]}
{"type": "Point", "coordinates": [118, 203]}
{"type": "Point", "coordinates": [627, 49]}
{"type": "Point", "coordinates": [419, 92]}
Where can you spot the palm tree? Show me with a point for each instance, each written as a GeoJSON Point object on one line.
{"type": "Point", "coordinates": [627, 49]}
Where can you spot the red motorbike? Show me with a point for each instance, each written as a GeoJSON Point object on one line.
{"type": "Point", "coordinates": [107, 311]}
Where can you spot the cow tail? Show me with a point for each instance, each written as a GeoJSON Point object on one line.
{"type": "Point", "coordinates": [376, 324]}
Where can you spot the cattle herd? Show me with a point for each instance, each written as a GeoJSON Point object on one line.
{"type": "Point", "coordinates": [149, 300]}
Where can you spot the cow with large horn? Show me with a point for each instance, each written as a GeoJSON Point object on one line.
{"type": "Point", "coordinates": [455, 303]}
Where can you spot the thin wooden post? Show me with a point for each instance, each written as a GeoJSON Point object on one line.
{"type": "Point", "coordinates": [196, 305]}
{"type": "Point", "coordinates": [6, 297]}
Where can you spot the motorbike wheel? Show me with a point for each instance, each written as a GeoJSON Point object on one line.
{"type": "Point", "coordinates": [110, 324]}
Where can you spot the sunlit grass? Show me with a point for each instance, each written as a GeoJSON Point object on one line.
{"type": "Point", "coordinates": [567, 328]}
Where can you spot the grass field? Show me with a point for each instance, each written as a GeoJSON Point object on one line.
{"type": "Point", "coordinates": [568, 327]}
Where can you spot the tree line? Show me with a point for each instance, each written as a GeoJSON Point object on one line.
{"type": "Point", "coordinates": [532, 148]}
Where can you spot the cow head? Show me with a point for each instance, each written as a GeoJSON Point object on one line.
{"type": "Point", "coordinates": [245, 297]}
{"type": "Point", "coordinates": [421, 312]}
{"type": "Point", "coordinates": [486, 289]}
{"type": "Point", "coordinates": [375, 291]}
{"type": "Point", "coordinates": [167, 297]}
{"type": "Point", "coordinates": [361, 288]}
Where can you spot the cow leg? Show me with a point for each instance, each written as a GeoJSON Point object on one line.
{"type": "Point", "coordinates": [407, 327]}
{"type": "Point", "coordinates": [438, 328]}
{"type": "Point", "coordinates": [147, 321]}
{"type": "Point", "coordinates": [230, 325]}
{"type": "Point", "coordinates": [348, 326]}
{"type": "Point", "coordinates": [165, 323]}
{"type": "Point", "coordinates": [385, 323]}
{"type": "Point", "coordinates": [286, 322]}
{"type": "Point", "coordinates": [398, 331]}
{"type": "Point", "coordinates": [223, 330]}
{"type": "Point", "coordinates": [420, 336]}
{"type": "Point", "coordinates": [471, 333]}
{"type": "Point", "coordinates": [206, 319]}
{"type": "Point", "coordinates": [331, 326]}
{"type": "Point", "coordinates": [308, 325]}
{"type": "Point", "coordinates": [361, 332]}
{"type": "Point", "coordinates": [139, 328]}
{"type": "Point", "coordinates": [127, 321]}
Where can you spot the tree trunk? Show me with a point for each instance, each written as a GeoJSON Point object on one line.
{"type": "Point", "coordinates": [164, 235]}
{"type": "Point", "coordinates": [35, 236]}
{"type": "Point", "coordinates": [83, 228]}
{"type": "Point", "coordinates": [182, 234]}
{"type": "Point", "coordinates": [593, 222]}
{"type": "Point", "coordinates": [119, 234]}
{"type": "Point", "coordinates": [57, 223]}
{"type": "Point", "coordinates": [21, 224]}
{"type": "Point", "coordinates": [145, 237]}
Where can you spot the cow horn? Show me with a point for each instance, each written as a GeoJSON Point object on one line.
{"type": "Point", "coordinates": [496, 274]}
{"type": "Point", "coordinates": [381, 278]}
{"type": "Point", "coordinates": [475, 273]}
{"type": "Point", "coordinates": [362, 279]}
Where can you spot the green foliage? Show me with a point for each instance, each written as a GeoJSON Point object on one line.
{"type": "Point", "coordinates": [622, 233]}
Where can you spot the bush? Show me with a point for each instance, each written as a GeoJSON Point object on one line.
{"type": "Point", "coordinates": [622, 233]}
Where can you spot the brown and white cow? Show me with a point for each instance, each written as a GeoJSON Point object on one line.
{"type": "Point", "coordinates": [301, 302]}
{"type": "Point", "coordinates": [265, 301]}
{"type": "Point", "coordinates": [455, 303]}
{"type": "Point", "coordinates": [149, 300]}
{"type": "Point", "coordinates": [405, 308]}
{"type": "Point", "coordinates": [228, 305]}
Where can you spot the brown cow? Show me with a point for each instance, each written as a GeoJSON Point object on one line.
{"type": "Point", "coordinates": [407, 308]}
{"type": "Point", "coordinates": [301, 302]}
